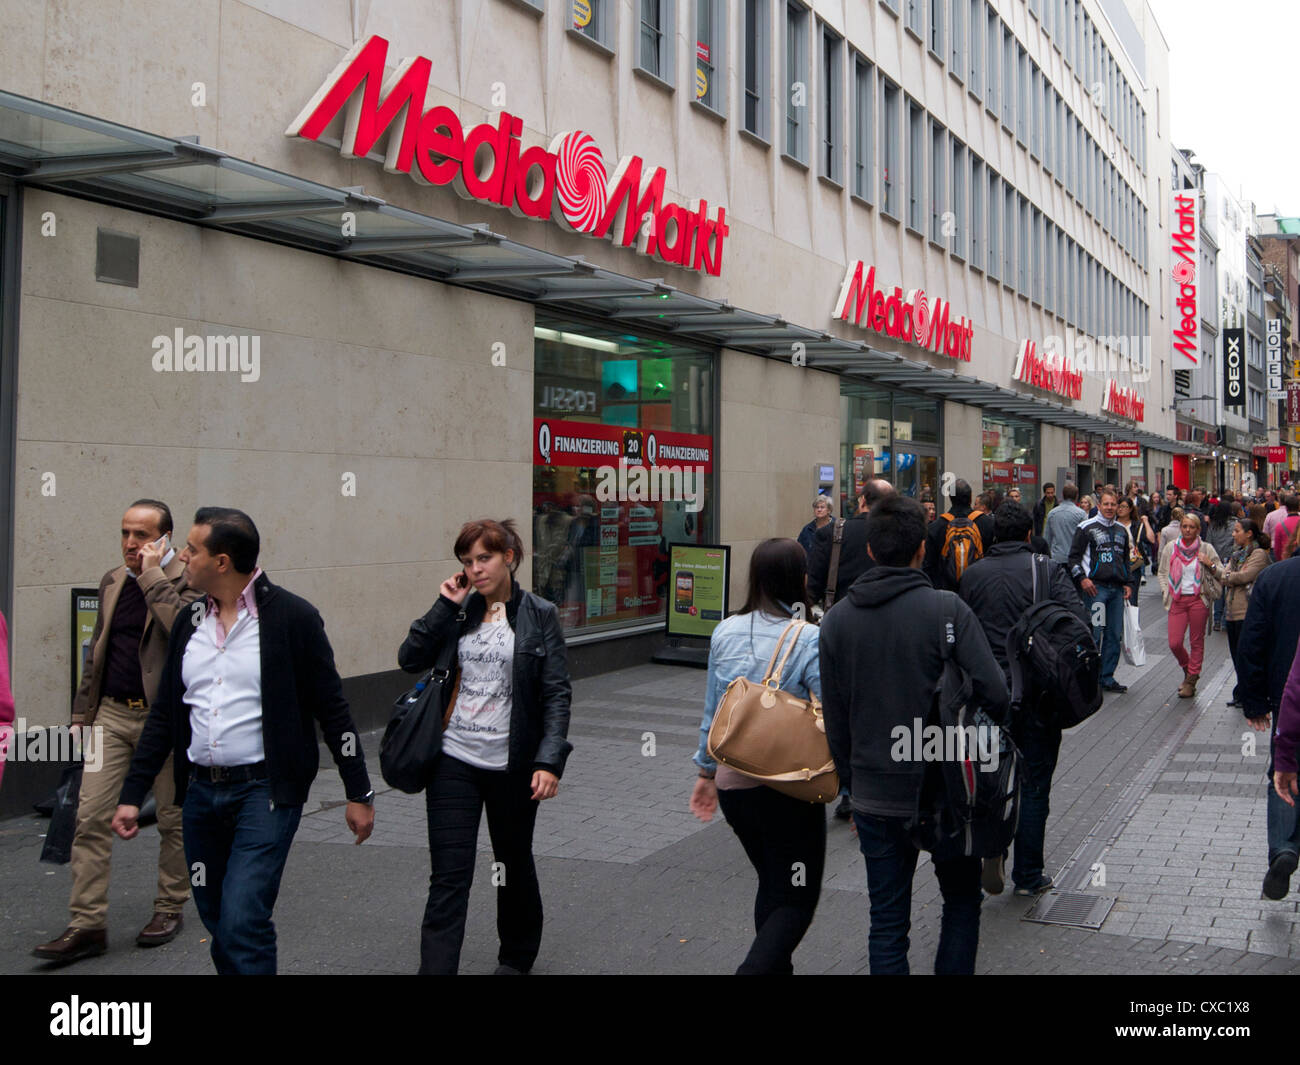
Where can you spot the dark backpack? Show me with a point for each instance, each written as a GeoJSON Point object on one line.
{"type": "Point", "coordinates": [1054, 662]}
{"type": "Point", "coordinates": [962, 545]}
{"type": "Point", "coordinates": [968, 806]}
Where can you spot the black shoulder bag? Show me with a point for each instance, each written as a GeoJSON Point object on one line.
{"type": "Point", "coordinates": [413, 739]}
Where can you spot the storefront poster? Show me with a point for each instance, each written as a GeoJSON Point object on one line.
{"type": "Point", "coordinates": [85, 609]}
{"type": "Point", "coordinates": [698, 577]}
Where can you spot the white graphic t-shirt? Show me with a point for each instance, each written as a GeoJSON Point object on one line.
{"type": "Point", "coordinates": [479, 729]}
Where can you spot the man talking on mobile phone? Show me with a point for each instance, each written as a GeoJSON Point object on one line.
{"type": "Point", "coordinates": [248, 677]}
{"type": "Point", "coordinates": [138, 602]}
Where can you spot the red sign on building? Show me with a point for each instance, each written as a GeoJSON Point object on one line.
{"type": "Point", "coordinates": [911, 319]}
{"type": "Point", "coordinates": [1123, 449]}
{"type": "Point", "coordinates": [566, 182]}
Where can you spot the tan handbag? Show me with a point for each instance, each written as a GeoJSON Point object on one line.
{"type": "Point", "coordinates": [773, 736]}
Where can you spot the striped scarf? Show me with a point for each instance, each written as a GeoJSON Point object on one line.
{"type": "Point", "coordinates": [1185, 555]}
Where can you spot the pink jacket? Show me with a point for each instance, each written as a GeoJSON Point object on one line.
{"type": "Point", "coordinates": [6, 698]}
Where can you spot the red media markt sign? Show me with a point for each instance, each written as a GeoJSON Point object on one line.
{"type": "Point", "coordinates": [566, 182]}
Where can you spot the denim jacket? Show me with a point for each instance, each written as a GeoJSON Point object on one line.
{"type": "Point", "coordinates": [741, 646]}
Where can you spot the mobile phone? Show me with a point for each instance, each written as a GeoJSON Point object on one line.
{"type": "Point", "coordinates": [685, 591]}
{"type": "Point", "coordinates": [164, 542]}
{"type": "Point", "coordinates": [461, 580]}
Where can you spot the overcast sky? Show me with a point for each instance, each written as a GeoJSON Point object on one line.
{"type": "Point", "coordinates": [1228, 75]}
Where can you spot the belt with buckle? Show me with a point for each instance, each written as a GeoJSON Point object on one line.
{"type": "Point", "coordinates": [230, 774]}
{"type": "Point", "coordinates": [130, 704]}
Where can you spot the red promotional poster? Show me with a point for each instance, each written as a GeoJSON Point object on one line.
{"type": "Point", "coordinates": [1081, 452]}
{"type": "Point", "coordinates": [1026, 474]}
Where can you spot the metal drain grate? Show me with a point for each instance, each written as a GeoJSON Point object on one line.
{"type": "Point", "coordinates": [1072, 908]}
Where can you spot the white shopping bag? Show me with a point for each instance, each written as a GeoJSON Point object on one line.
{"type": "Point", "coordinates": [1135, 651]}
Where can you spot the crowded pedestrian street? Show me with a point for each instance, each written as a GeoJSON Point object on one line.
{"type": "Point", "coordinates": [1154, 788]}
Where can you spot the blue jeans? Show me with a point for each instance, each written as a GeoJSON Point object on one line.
{"type": "Point", "coordinates": [1108, 635]}
{"type": "Point", "coordinates": [1039, 746]}
{"type": "Point", "coordinates": [891, 862]}
{"type": "Point", "coordinates": [1219, 605]}
{"type": "Point", "coordinates": [236, 843]}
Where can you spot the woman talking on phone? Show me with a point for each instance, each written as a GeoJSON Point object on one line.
{"type": "Point", "coordinates": [503, 744]}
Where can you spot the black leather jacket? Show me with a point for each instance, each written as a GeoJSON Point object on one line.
{"type": "Point", "coordinates": [539, 713]}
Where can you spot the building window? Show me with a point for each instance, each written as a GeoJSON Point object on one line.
{"type": "Point", "coordinates": [995, 202]}
{"type": "Point", "coordinates": [1036, 270]}
{"type": "Point", "coordinates": [1049, 254]}
{"type": "Point", "coordinates": [957, 231]}
{"type": "Point", "coordinates": [832, 105]}
{"type": "Point", "coordinates": [957, 34]}
{"type": "Point", "coordinates": [1036, 124]}
{"type": "Point", "coordinates": [1008, 233]}
{"type": "Point", "coordinates": [1022, 95]}
{"type": "Point", "coordinates": [757, 57]}
{"type": "Point", "coordinates": [936, 27]}
{"type": "Point", "coordinates": [889, 148]}
{"type": "Point", "coordinates": [1008, 78]}
{"type": "Point", "coordinates": [915, 166]}
{"type": "Point", "coordinates": [599, 25]}
{"type": "Point", "coordinates": [976, 211]}
{"type": "Point", "coordinates": [657, 37]}
{"type": "Point", "coordinates": [864, 132]}
{"type": "Point", "coordinates": [976, 46]}
{"type": "Point", "coordinates": [710, 40]}
{"type": "Point", "coordinates": [938, 158]}
{"type": "Point", "coordinates": [796, 82]}
{"type": "Point", "coordinates": [993, 37]}
{"type": "Point", "coordinates": [601, 560]}
{"type": "Point", "coordinates": [914, 17]}
{"type": "Point", "coordinates": [1022, 260]}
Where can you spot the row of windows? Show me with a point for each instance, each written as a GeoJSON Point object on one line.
{"type": "Point", "coordinates": [979, 44]}
{"type": "Point", "coordinates": [967, 207]}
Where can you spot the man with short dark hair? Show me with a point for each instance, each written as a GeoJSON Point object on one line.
{"type": "Point", "coordinates": [959, 509]}
{"type": "Point", "coordinates": [999, 588]}
{"type": "Point", "coordinates": [138, 604]}
{"type": "Point", "coordinates": [881, 652]}
{"type": "Point", "coordinates": [249, 671]}
{"type": "Point", "coordinates": [1164, 513]}
{"type": "Point", "coordinates": [853, 559]}
{"type": "Point", "coordinates": [1100, 568]}
{"type": "Point", "coordinates": [1043, 508]}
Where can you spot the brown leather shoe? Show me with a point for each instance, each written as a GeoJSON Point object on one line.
{"type": "Point", "coordinates": [163, 928]}
{"type": "Point", "coordinates": [73, 945]}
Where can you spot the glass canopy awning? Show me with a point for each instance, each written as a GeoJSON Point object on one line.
{"type": "Point", "coordinates": [52, 148]}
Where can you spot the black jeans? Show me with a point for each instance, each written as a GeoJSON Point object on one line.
{"type": "Point", "coordinates": [1234, 634]}
{"type": "Point", "coordinates": [1039, 747]}
{"type": "Point", "coordinates": [786, 842]}
{"type": "Point", "coordinates": [454, 800]}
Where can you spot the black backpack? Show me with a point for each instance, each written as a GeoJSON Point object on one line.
{"type": "Point", "coordinates": [1055, 665]}
{"type": "Point", "coordinates": [969, 802]}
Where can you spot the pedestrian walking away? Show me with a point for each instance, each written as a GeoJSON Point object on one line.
{"type": "Point", "coordinates": [1265, 652]}
{"type": "Point", "coordinates": [1188, 590]}
{"type": "Point", "coordinates": [1099, 566]}
{"type": "Point", "coordinates": [247, 675]}
{"type": "Point", "coordinates": [779, 833]}
{"type": "Point", "coordinates": [138, 604]}
{"type": "Point", "coordinates": [882, 655]}
{"type": "Point", "coordinates": [1060, 524]}
{"type": "Point", "coordinates": [1219, 534]}
{"type": "Point", "coordinates": [1244, 564]}
{"type": "Point", "coordinates": [956, 538]}
{"type": "Point", "coordinates": [504, 743]}
{"type": "Point", "coordinates": [999, 589]}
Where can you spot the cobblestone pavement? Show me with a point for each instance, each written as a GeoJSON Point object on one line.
{"type": "Point", "coordinates": [1157, 801]}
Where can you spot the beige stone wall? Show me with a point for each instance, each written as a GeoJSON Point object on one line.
{"type": "Point", "coordinates": [363, 371]}
{"type": "Point", "coordinates": [777, 421]}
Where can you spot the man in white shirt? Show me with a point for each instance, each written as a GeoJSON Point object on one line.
{"type": "Point", "coordinates": [245, 678]}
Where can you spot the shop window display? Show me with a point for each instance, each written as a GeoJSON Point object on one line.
{"type": "Point", "coordinates": [623, 465]}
